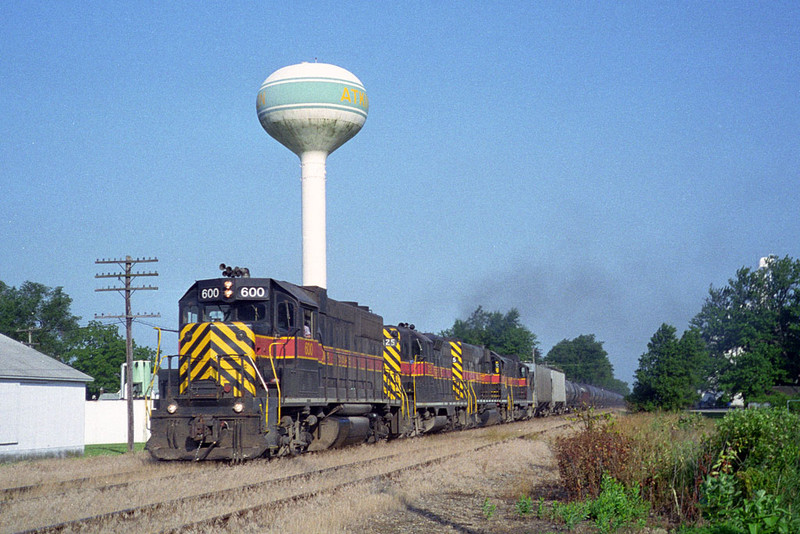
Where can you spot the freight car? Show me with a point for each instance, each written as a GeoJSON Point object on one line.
{"type": "Point", "coordinates": [269, 368]}
{"type": "Point", "coordinates": [550, 387]}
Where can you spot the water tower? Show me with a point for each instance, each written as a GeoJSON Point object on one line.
{"type": "Point", "coordinates": [312, 109]}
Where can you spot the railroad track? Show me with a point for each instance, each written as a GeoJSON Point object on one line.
{"type": "Point", "coordinates": [217, 508]}
{"type": "Point", "coordinates": [109, 481]}
{"type": "Point", "coordinates": [8, 494]}
{"type": "Point", "coordinates": [220, 522]}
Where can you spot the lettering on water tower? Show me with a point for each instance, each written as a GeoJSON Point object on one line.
{"type": "Point", "coordinates": [356, 97]}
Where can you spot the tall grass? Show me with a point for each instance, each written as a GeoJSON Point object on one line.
{"type": "Point", "coordinates": [668, 460]}
{"type": "Point", "coordinates": [741, 473]}
{"type": "Point", "coordinates": [660, 454]}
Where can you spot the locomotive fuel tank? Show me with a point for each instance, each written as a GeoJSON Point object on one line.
{"type": "Point", "coordinates": [340, 431]}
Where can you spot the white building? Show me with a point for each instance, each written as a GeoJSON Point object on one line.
{"type": "Point", "coordinates": [41, 404]}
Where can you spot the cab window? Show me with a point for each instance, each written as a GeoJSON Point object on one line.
{"type": "Point", "coordinates": [286, 316]}
{"type": "Point", "coordinates": [252, 312]}
{"type": "Point", "coordinates": [190, 314]}
{"type": "Point", "coordinates": [308, 323]}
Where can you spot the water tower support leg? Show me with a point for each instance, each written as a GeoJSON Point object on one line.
{"type": "Point", "coordinates": [312, 165]}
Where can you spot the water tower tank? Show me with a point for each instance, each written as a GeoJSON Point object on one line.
{"type": "Point", "coordinates": [312, 109]}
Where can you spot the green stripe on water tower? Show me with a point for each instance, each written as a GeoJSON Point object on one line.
{"type": "Point", "coordinates": [299, 93]}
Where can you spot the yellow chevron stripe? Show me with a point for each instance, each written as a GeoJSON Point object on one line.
{"type": "Point", "coordinates": [391, 360]}
{"type": "Point", "coordinates": [243, 345]}
{"type": "Point", "coordinates": [458, 372]}
{"type": "Point", "coordinates": [215, 353]}
{"type": "Point", "coordinates": [391, 366]}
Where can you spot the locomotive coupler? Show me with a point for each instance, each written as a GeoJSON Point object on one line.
{"type": "Point", "coordinates": [204, 430]}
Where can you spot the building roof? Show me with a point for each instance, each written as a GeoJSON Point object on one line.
{"type": "Point", "coordinates": [21, 362]}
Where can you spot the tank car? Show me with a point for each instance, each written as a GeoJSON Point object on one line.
{"type": "Point", "coordinates": [580, 396]}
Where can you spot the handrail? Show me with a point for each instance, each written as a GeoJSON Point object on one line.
{"type": "Point", "coordinates": [149, 391]}
{"type": "Point", "coordinates": [414, 387]}
{"type": "Point", "coordinates": [404, 406]}
{"type": "Point", "coordinates": [510, 398]}
{"type": "Point", "coordinates": [275, 374]}
{"type": "Point", "coordinates": [266, 389]}
{"type": "Point", "coordinates": [474, 398]}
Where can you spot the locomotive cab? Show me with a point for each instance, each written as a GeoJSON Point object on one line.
{"type": "Point", "coordinates": [220, 399]}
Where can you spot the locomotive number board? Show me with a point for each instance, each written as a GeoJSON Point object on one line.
{"type": "Point", "coordinates": [228, 290]}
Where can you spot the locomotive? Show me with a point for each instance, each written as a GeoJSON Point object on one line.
{"type": "Point", "coordinates": [269, 368]}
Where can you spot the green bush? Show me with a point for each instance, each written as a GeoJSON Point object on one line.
{"type": "Point", "coordinates": [616, 507]}
{"type": "Point", "coordinates": [753, 485]}
{"type": "Point", "coordinates": [763, 450]}
{"type": "Point", "coordinates": [760, 438]}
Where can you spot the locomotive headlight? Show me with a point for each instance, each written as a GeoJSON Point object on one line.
{"type": "Point", "coordinates": [228, 288]}
{"type": "Point", "coordinates": [172, 408]}
{"type": "Point", "coordinates": [238, 407]}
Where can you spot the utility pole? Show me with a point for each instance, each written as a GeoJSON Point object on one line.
{"type": "Point", "coordinates": [127, 277]}
{"type": "Point", "coordinates": [29, 330]}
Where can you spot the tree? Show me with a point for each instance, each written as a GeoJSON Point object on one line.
{"type": "Point", "coordinates": [752, 328]}
{"type": "Point", "coordinates": [99, 351]}
{"type": "Point", "coordinates": [584, 360]}
{"type": "Point", "coordinates": [41, 311]}
{"type": "Point", "coordinates": [503, 334]}
{"type": "Point", "coordinates": [669, 372]}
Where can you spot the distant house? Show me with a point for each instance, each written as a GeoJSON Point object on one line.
{"type": "Point", "coordinates": [41, 404]}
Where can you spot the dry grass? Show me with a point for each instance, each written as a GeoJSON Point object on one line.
{"type": "Point", "coordinates": [31, 472]}
{"type": "Point", "coordinates": [508, 470]}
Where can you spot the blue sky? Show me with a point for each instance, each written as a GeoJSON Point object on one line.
{"type": "Point", "coordinates": [595, 165]}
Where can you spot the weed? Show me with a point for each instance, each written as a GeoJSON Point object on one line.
{"type": "Point", "coordinates": [540, 511]}
{"type": "Point", "coordinates": [524, 505]}
{"type": "Point", "coordinates": [720, 493]}
{"type": "Point", "coordinates": [489, 508]}
{"type": "Point", "coordinates": [570, 513]}
{"type": "Point", "coordinates": [764, 513]}
{"type": "Point", "coordinates": [592, 420]}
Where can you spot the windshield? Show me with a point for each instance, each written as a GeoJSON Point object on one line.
{"type": "Point", "coordinates": [217, 312]}
{"type": "Point", "coordinates": [249, 312]}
